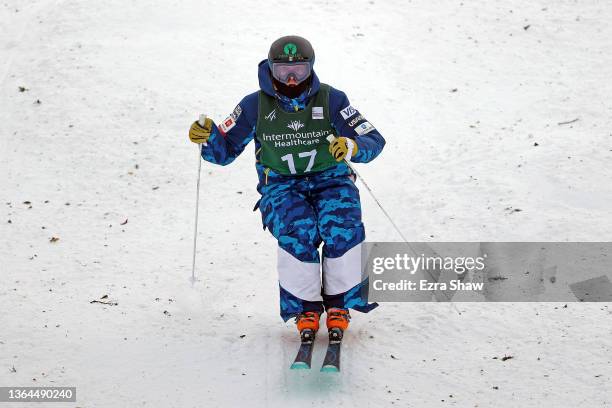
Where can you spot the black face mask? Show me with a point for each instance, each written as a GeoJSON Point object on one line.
{"type": "Point", "coordinates": [291, 91]}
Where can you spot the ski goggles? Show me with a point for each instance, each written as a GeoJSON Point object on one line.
{"type": "Point", "coordinates": [300, 71]}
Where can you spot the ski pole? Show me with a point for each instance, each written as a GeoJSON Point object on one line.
{"type": "Point", "coordinates": [347, 159]}
{"type": "Point", "coordinates": [201, 121]}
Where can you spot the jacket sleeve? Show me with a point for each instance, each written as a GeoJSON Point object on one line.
{"type": "Point", "coordinates": [231, 136]}
{"type": "Point", "coordinates": [349, 122]}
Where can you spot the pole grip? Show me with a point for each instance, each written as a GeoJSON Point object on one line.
{"type": "Point", "coordinates": [349, 145]}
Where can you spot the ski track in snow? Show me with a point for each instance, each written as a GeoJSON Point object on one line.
{"type": "Point", "coordinates": [461, 92]}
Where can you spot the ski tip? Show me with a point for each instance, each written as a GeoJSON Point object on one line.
{"type": "Point", "coordinates": [300, 365]}
{"type": "Point", "coordinates": [329, 369]}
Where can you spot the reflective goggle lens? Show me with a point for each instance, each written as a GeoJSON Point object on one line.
{"type": "Point", "coordinates": [283, 71]}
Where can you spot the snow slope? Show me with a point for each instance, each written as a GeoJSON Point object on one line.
{"type": "Point", "coordinates": [462, 92]}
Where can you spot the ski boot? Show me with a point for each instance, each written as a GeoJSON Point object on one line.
{"type": "Point", "coordinates": [337, 319]}
{"type": "Point", "coordinates": [307, 324]}
{"type": "Point", "coordinates": [337, 322]}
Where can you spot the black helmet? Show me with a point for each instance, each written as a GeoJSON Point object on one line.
{"type": "Point", "coordinates": [291, 48]}
{"type": "Point", "coordinates": [290, 60]}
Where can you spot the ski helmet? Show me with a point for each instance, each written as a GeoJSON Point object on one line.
{"type": "Point", "coordinates": [291, 59]}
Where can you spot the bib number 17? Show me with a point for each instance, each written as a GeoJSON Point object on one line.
{"type": "Point", "coordinates": [291, 164]}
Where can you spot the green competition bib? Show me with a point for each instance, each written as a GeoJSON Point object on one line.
{"type": "Point", "coordinates": [294, 143]}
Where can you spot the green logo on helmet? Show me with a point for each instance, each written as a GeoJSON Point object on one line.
{"type": "Point", "coordinates": [290, 49]}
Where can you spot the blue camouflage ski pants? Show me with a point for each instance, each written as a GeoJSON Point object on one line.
{"type": "Point", "coordinates": [302, 213]}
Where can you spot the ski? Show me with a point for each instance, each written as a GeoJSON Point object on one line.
{"type": "Point", "coordinates": [304, 355]}
{"type": "Point", "coordinates": [331, 362]}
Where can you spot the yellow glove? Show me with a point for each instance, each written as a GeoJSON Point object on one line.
{"type": "Point", "coordinates": [339, 148]}
{"type": "Point", "coordinates": [200, 134]}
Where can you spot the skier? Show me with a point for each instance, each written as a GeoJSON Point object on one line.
{"type": "Point", "coordinates": [308, 194]}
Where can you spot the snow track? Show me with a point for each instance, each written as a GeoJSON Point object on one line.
{"type": "Point", "coordinates": [95, 152]}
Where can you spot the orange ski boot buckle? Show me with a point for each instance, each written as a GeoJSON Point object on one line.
{"type": "Point", "coordinates": [337, 318]}
{"type": "Point", "coordinates": [307, 320]}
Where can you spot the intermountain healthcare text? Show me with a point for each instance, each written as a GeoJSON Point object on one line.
{"type": "Point", "coordinates": [296, 139]}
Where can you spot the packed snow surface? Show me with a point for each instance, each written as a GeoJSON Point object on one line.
{"type": "Point", "coordinates": [98, 190]}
